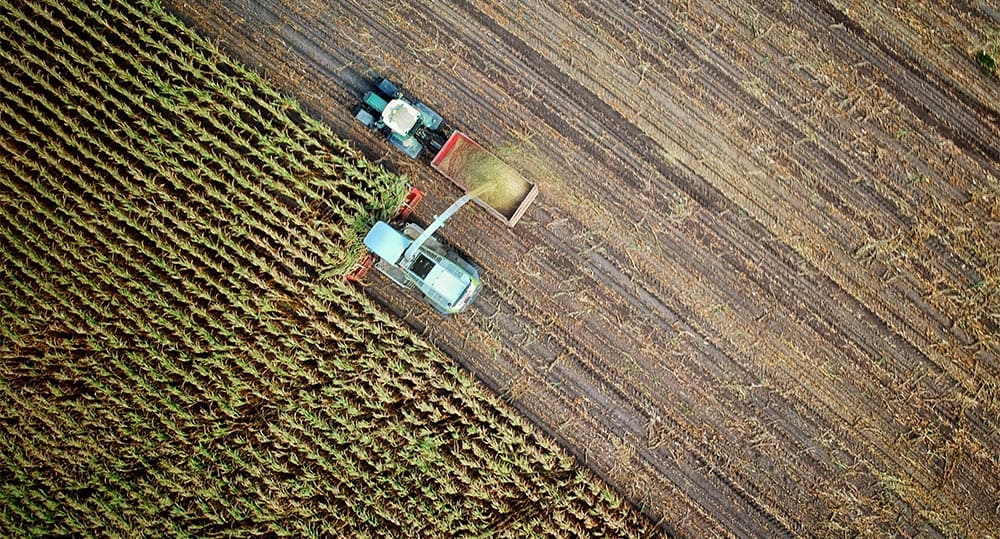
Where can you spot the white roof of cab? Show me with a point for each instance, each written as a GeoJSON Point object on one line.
{"type": "Point", "coordinates": [400, 116]}
{"type": "Point", "coordinates": [387, 242]}
{"type": "Point", "coordinates": [449, 285]}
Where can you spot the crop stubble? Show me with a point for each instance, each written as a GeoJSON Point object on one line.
{"type": "Point", "coordinates": [759, 289]}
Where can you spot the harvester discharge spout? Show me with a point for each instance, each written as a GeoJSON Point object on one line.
{"type": "Point", "coordinates": [440, 220]}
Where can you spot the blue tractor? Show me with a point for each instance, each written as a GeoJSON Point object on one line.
{"type": "Point", "coordinates": [409, 125]}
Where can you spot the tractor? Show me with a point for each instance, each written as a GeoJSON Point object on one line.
{"type": "Point", "coordinates": [410, 126]}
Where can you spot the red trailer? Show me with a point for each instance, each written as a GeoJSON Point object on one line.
{"type": "Point", "coordinates": [495, 185]}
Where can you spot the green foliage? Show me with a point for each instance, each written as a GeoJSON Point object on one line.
{"type": "Point", "coordinates": [987, 62]}
{"type": "Point", "coordinates": [172, 359]}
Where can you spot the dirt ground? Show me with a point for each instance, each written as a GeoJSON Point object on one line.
{"type": "Point", "coordinates": [759, 290]}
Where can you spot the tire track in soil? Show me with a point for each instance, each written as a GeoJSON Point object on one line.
{"type": "Point", "coordinates": [959, 116]}
{"type": "Point", "coordinates": [827, 288]}
{"type": "Point", "coordinates": [912, 350]}
{"type": "Point", "coordinates": [591, 343]}
{"type": "Point", "coordinates": [941, 250]}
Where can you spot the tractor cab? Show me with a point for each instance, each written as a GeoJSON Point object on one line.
{"type": "Point", "coordinates": [410, 126]}
{"type": "Point", "coordinates": [400, 116]}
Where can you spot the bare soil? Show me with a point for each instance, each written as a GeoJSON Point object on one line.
{"type": "Point", "coordinates": [759, 291]}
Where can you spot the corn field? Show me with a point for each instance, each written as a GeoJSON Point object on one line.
{"type": "Point", "coordinates": [180, 356]}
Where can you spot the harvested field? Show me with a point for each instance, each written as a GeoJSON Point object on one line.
{"type": "Point", "coordinates": [760, 288]}
{"type": "Point", "coordinates": [180, 355]}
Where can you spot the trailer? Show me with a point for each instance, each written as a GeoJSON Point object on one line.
{"type": "Point", "coordinates": [499, 188]}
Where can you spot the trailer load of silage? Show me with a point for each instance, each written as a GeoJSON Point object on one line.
{"type": "Point", "coordinates": [492, 181]}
